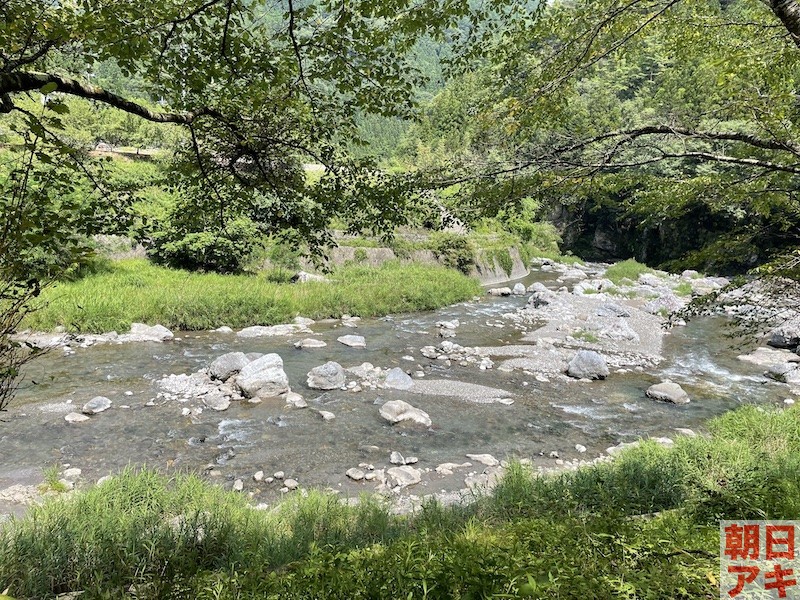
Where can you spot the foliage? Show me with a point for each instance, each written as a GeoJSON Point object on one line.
{"type": "Point", "coordinates": [453, 250]}
{"type": "Point", "coordinates": [135, 291]}
{"type": "Point", "coordinates": [679, 147]}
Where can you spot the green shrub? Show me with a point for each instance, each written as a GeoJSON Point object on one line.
{"type": "Point", "coordinates": [226, 250]}
{"type": "Point", "coordinates": [453, 250]}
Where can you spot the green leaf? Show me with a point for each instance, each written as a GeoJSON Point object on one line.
{"type": "Point", "coordinates": [49, 87]}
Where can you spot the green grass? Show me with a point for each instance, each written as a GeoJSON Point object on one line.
{"type": "Point", "coordinates": [684, 288]}
{"type": "Point", "coordinates": [642, 526]}
{"type": "Point", "coordinates": [137, 291]}
{"type": "Point", "coordinates": [586, 336]}
{"type": "Point", "coordinates": [627, 269]}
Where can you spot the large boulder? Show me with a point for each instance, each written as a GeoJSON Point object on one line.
{"type": "Point", "coordinates": [588, 364]}
{"type": "Point", "coordinates": [263, 377]}
{"type": "Point", "coordinates": [668, 391]}
{"type": "Point", "coordinates": [396, 411]}
{"type": "Point", "coordinates": [228, 364]}
{"type": "Point", "coordinates": [785, 336]}
{"type": "Point", "coordinates": [329, 376]}
{"type": "Point", "coordinates": [397, 379]}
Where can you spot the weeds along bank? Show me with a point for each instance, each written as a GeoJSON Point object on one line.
{"type": "Point", "coordinates": [134, 290]}
{"type": "Point", "coordinates": [643, 525]}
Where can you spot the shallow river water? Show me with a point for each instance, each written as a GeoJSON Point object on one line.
{"type": "Point", "coordinates": [545, 417]}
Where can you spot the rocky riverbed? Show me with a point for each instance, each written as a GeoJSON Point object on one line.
{"type": "Point", "coordinates": [559, 370]}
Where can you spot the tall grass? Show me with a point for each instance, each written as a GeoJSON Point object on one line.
{"type": "Point", "coordinates": [626, 269]}
{"type": "Point", "coordinates": [137, 291]}
{"type": "Point", "coordinates": [644, 525]}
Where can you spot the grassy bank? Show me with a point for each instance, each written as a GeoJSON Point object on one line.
{"type": "Point", "coordinates": [137, 291]}
{"type": "Point", "coordinates": [644, 526]}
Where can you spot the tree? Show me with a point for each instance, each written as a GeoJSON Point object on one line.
{"type": "Point", "coordinates": [668, 108]}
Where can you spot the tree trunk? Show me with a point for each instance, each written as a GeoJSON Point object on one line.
{"type": "Point", "coordinates": [788, 11]}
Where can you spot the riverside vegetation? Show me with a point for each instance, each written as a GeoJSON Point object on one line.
{"type": "Point", "coordinates": [641, 526]}
{"type": "Point", "coordinates": [133, 290]}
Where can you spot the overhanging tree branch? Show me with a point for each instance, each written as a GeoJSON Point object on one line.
{"type": "Point", "coordinates": [13, 83]}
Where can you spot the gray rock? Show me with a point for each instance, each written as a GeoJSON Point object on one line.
{"type": "Point", "coordinates": [263, 377]}
{"type": "Point", "coordinates": [146, 333]}
{"type": "Point", "coordinates": [518, 289]}
{"type": "Point", "coordinates": [404, 476]}
{"type": "Point", "coordinates": [355, 474]}
{"type": "Point", "coordinates": [310, 343]}
{"type": "Point", "coordinates": [223, 329]}
{"type": "Point", "coordinates": [228, 364]}
{"type": "Point", "coordinates": [785, 336]}
{"type": "Point", "coordinates": [258, 476]}
{"type": "Point", "coordinates": [609, 309]}
{"type": "Point", "coordinates": [354, 341]}
{"type": "Point", "coordinates": [96, 405]}
{"type": "Point", "coordinates": [326, 415]}
{"type": "Point", "coordinates": [588, 364]}
{"type": "Point", "coordinates": [292, 484]}
{"type": "Point", "coordinates": [503, 291]}
{"type": "Point", "coordinates": [666, 303]}
{"type": "Point", "coordinates": [766, 357]}
{"type": "Point", "coordinates": [396, 458]}
{"type": "Point", "coordinates": [396, 411]}
{"type": "Point", "coordinates": [74, 417]}
{"type": "Point", "coordinates": [485, 459]}
{"type": "Point", "coordinates": [397, 379]}
{"type": "Point", "coordinates": [72, 474]}
{"type": "Point", "coordinates": [217, 401]}
{"type": "Point", "coordinates": [272, 331]}
{"type": "Point", "coordinates": [296, 400]}
{"type": "Point", "coordinates": [329, 376]}
{"type": "Point", "coordinates": [238, 485]}
{"type": "Point", "coordinates": [668, 391]}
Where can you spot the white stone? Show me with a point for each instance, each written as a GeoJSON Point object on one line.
{"type": "Point", "coordinates": [96, 405]}
{"type": "Point", "coordinates": [396, 411]}
{"type": "Point", "coordinates": [354, 341]}
{"type": "Point", "coordinates": [404, 476]}
{"type": "Point", "coordinates": [310, 343]}
{"type": "Point", "coordinates": [74, 417]}
{"type": "Point", "coordinates": [291, 484]}
{"type": "Point", "coordinates": [668, 391]}
{"type": "Point", "coordinates": [486, 459]}
{"type": "Point", "coordinates": [355, 474]}
{"type": "Point", "coordinates": [397, 379]}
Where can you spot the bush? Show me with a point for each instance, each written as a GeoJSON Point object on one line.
{"type": "Point", "coordinates": [453, 250]}
{"type": "Point", "coordinates": [227, 250]}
